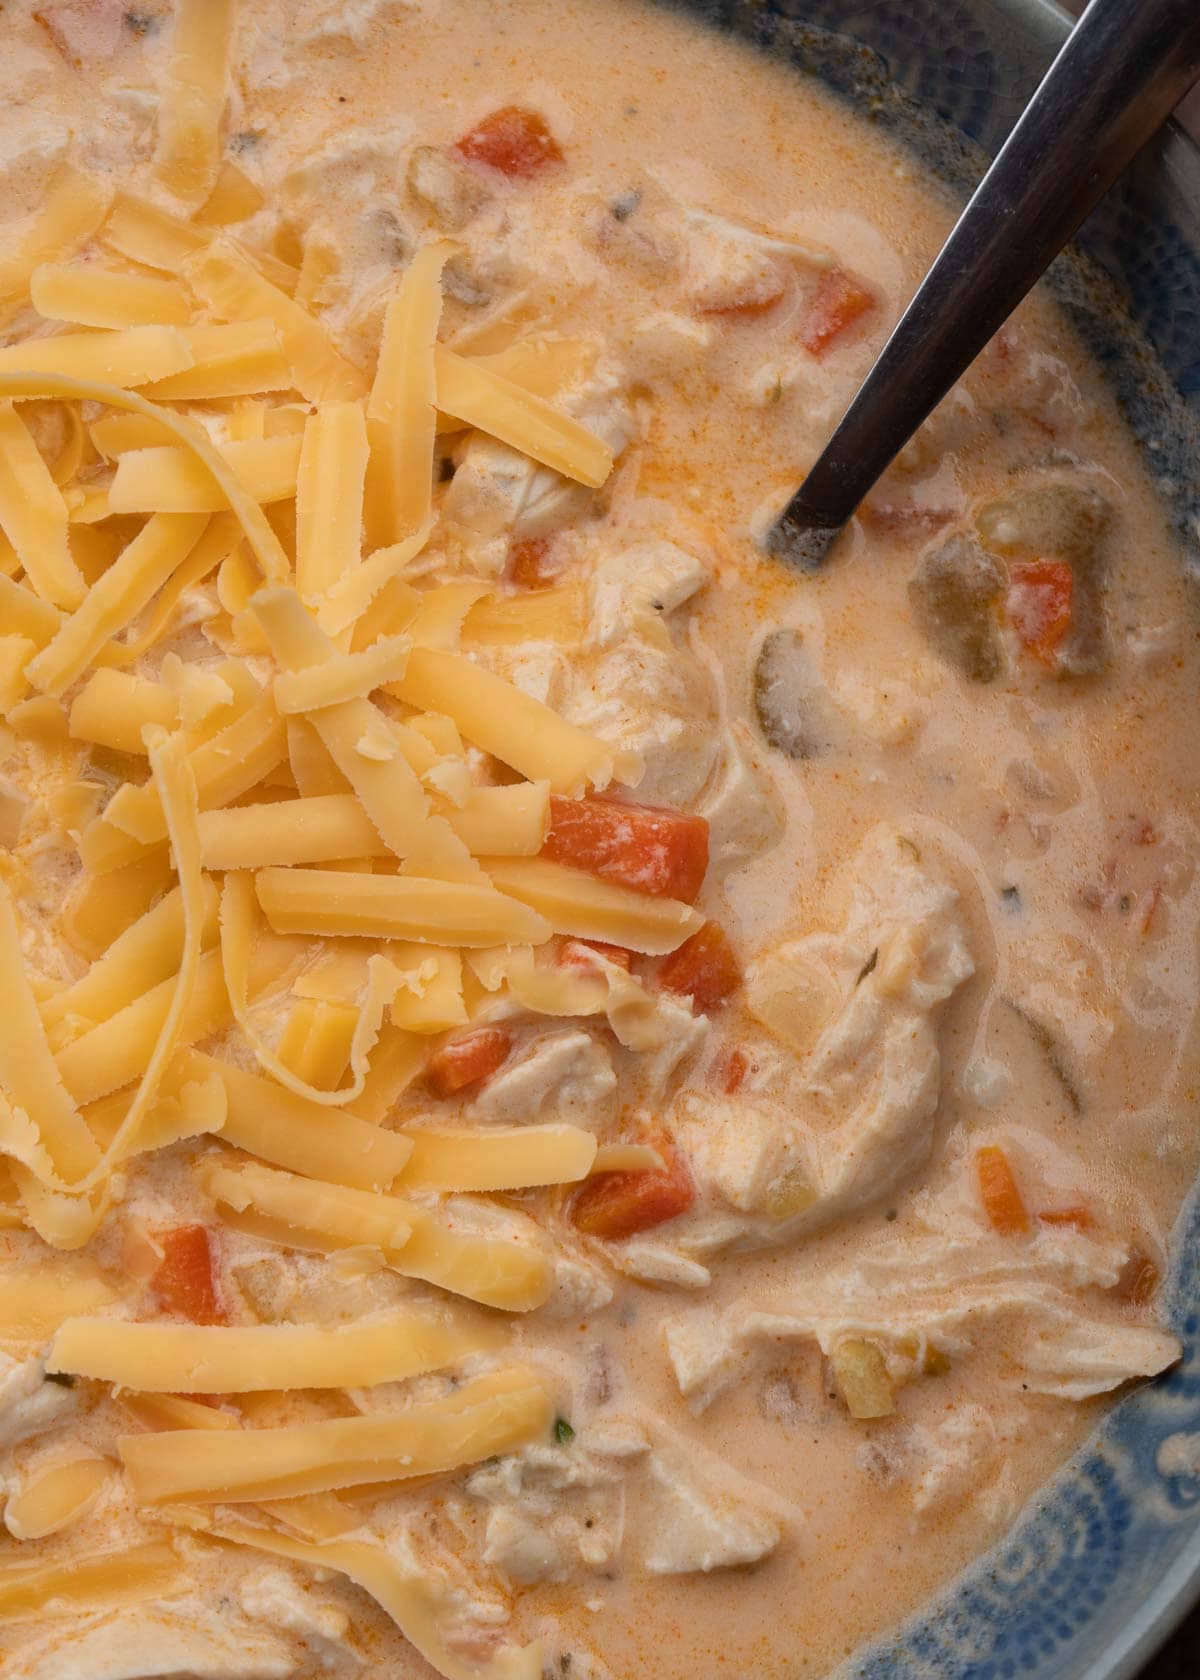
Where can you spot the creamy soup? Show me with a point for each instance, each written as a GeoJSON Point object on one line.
{"type": "Point", "coordinates": [573, 1102]}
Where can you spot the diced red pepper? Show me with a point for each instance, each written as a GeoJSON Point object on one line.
{"type": "Point", "coordinates": [621, 1204]}
{"type": "Point", "coordinates": [582, 954]}
{"type": "Point", "coordinates": [1139, 1279]}
{"type": "Point", "coordinates": [185, 1280]}
{"type": "Point", "coordinates": [1080, 1218]}
{"type": "Point", "coordinates": [732, 1071]}
{"type": "Point", "coordinates": [838, 303]}
{"type": "Point", "coordinates": [514, 141]}
{"type": "Point", "coordinates": [466, 1061]}
{"type": "Point", "coordinates": [644, 847]}
{"type": "Point", "coordinates": [1000, 1193]}
{"type": "Point", "coordinates": [532, 562]}
{"type": "Point", "coordinates": [704, 968]}
{"type": "Point", "coordinates": [1039, 605]}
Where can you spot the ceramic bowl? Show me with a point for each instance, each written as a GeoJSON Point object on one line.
{"type": "Point", "coordinates": [1105, 1562]}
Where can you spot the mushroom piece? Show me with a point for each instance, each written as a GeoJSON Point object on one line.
{"type": "Point", "coordinates": [790, 702]}
{"type": "Point", "coordinates": [954, 593]}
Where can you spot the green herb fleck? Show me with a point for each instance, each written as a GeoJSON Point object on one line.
{"type": "Point", "coordinates": [563, 1433]}
{"type": "Point", "coordinates": [1011, 897]}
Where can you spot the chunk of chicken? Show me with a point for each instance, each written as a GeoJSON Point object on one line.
{"type": "Point", "coordinates": [698, 1528]}
{"type": "Point", "coordinates": [568, 1072]}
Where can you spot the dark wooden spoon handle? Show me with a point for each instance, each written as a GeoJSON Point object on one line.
{"type": "Point", "coordinates": [1124, 68]}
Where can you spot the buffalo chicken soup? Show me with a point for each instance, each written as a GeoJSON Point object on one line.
{"type": "Point", "coordinates": [572, 1102]}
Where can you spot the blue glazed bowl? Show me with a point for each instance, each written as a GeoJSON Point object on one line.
{"type": "Point", "coordinates": [1104, 1564]}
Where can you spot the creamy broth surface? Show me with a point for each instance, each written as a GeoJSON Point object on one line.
{"type": "Point", "coordinates": [927, 1145]}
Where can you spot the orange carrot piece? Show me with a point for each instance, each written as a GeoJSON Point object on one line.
{"type": "Point", "coordinates": [999, 1192]}
{"type": "Point", "coordinates": [621, 1204]}
{"type": "Point", "coordinates": [1040, 594]}
{"type": "Point", "coordinates": [838, 303]}
{"type": "Point", "coordinates": [704, 968]}
{"type": "Point", "coordinates": [514, 141]}
{"type": "Point", "coordinates": [646, 847]}
{"type": "Point", "coordinates": [466, 1061]}
{"type": "Point", "coordinates": [185, 1281]}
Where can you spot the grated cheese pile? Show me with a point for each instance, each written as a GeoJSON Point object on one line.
{"type": "Point", "coordinates": [296, 816]}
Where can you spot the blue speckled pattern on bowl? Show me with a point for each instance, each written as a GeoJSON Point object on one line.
{"type": "Point", "coordinates": [1100, 1567]}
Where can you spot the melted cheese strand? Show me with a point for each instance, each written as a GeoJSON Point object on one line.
{"type": "Point", "coordinates": [416, 1607]}
{"type": "Point", "coordinates": [113, 1578]}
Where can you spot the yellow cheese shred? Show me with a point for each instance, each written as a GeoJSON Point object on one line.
{"type": "Point", "coordinates": [500, 718]}
{"type": "Point", "coordinates": [234, 290]}
{"type": "Point", "coordinates": [347, 676]}
{"type": "Point", "coordinates": [71, 212]}
{"type": "Point", "coordinates": [146, 953]}
{"type": "Point", "coordinates": [28, 1075]}
{"type": "Point", "coordinates": [134, 356]}
{"type": "Point", "coordinates": [91, 296]}
{"type": "Point", "coordinates": [351, 596]}
{"type": "Point", "coordinates": [491, 1414]}
{"type": "Point", "coordinates": [496, 1272]}
{"type": "Point", "coordinates": [237, 933]}
{"type": "Point", "coordinates": [329, 496]}
{"type": "Point", "coordinates": [170, 480]}
{"type": "Point", "coordinates": [90, 1583]}
{"type": "Point", "coordinates": [54, 1496]}
{"type": "Point", "coordinates": [401, 409]}
{"type": "Point", "coordinates": [482, 398]}
{"type": "Point", "coordinates": [337, 903]}
{"type": "Point", "coordinates": [203, 1359]}
{"type": "Point", "coordinates": [188, 156]}
{"type": "Point", "coordinates": [33, 515]}
{"type": "Point", "coordinates": [500, 1158]}
{"type": "Point", "coordinates": [145, 564]}
{"type": "Point", "coordinates": [585, 907]}
{"type": "Point", "coordinates": [289, 1131]}
{"type": "Point", "coordinates": [229, 359]}
{"type": "Point", "coordinates": [177, 789]}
